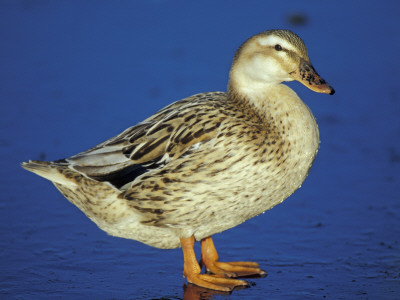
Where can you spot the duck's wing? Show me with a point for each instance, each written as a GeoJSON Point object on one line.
{"type": "Point", "coordinates": [163, 137]}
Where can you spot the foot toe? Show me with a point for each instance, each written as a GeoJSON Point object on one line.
{"type": "Point", "coordinates": [215, 282]}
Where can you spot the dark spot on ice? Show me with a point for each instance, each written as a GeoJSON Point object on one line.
{"type": "Point", "coordinates": [297, 19]}
{"type": "Point", "coordinates": [394, 155]}
{"type": "Point", "coordinates": [42, 156]}
{"type": "Point", "coordinates": [319, 224]}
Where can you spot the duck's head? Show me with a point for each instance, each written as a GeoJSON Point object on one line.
{"type": "Point", "coordinates": [274, 56]}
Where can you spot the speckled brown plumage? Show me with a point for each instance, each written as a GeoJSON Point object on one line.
{"type": "Point", "coordinates": [206, 163]}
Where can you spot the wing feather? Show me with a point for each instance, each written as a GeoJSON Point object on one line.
{"type": "Point", "coordinates": [163, 137]}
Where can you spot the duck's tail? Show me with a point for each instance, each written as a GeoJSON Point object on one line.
{"type": "Point", "coordinates": [52, 171]}
{"type": "Point", "coordinates": [90, 196]}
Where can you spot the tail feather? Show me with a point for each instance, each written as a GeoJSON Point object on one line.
{"type": "Point", "coordinates": [48, 170]}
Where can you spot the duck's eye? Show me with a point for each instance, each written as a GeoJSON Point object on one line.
{"type": "Point", "coordinates": [278, 47]}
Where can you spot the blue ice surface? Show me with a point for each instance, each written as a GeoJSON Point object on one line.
{"type": "Point", "coordinates": [74, 73]}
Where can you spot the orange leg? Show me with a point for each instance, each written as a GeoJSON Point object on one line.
{"type": "Point", "coordinates": [191, 270]}
{"type": "Point", "coordinates": [209, 257]}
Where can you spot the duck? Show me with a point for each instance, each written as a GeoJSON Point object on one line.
{"type": "Point", "coordinates": [204, 164]}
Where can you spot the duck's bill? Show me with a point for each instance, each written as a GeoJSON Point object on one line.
{"type": "Point", "coordinates": [307, 75]}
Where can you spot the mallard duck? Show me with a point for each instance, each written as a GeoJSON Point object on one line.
{"type": "Point", "coordinates": [205, 163]}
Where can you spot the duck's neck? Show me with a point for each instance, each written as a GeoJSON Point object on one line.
{"type": "Point", "coordinates": [263, 98]}
{"type": "Point", "coordinates": [278, 106]}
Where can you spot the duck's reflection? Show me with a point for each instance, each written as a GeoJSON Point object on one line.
{"type": "Point", "coordinates": [194, 292]}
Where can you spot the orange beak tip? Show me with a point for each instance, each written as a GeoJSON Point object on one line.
{"type": "Point", "coordinates": [327, 89]}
